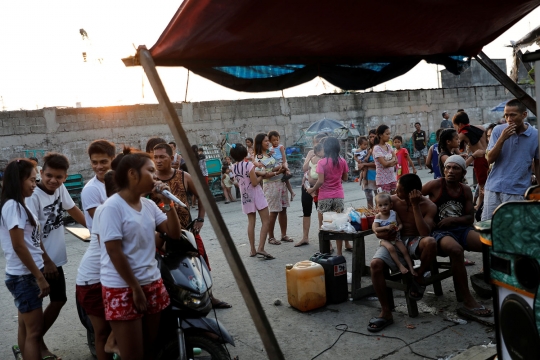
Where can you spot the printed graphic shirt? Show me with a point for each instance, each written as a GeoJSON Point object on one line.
{"type": "Point", "coordinates": [419, 139]}
{"type": "Point", "coordinates": [49, 210]}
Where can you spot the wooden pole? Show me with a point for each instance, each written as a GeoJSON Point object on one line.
{"type": "Point", "coordinates": [241, 276]}
{"type": "Point", "coordinates": [505, 80]}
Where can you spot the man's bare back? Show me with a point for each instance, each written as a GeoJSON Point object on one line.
{"type": "Point", "coordinates": [406, 214]}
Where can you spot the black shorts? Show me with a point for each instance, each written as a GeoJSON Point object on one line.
{"type": "Point", "coordinates": [58, 287]}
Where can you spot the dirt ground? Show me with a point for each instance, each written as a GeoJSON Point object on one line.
{"type": "Point", "coordinates": [300, 335]}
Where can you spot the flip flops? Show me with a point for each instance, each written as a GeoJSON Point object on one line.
{"type": "Point", "coordinates": [265, 256]}
{"type": "Point", "coordinates": [379, 323]}
{"type": "Point", "coordinates": [468, 262]}
{"type": "Point", "coordinates": [287, 239]}
{"type": "Point", "coordinates": [476, 312]}
{"type": "Point", "coordinates": [301, 244]}
{"type": "Point", "coordinates": [222, 305]}
{"type": "Point", "coordinates": [16, 352]}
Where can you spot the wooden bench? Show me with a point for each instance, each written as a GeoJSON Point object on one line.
{"type": "Point", "coordinates": [393, 281]}
{"type": "Point", "coordinates": [403, 283]}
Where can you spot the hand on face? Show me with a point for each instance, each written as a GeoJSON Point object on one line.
{"type": "Point", "coordinates": [415, 196]}
{"type": "Point", "coordinates": [509, 131]}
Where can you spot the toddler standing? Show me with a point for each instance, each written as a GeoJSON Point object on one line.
{"type": "Point", "coordinates": [386, 220]}
{"type": "Point", "coordinates": [227, 184]}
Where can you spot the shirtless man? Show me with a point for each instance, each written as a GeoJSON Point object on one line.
{"type": "Point", "coordinates": [474, 136]}
{"type": "Point", "coordinates": [417, 227]}
{"type": "Point", "coordinates": [454, 227]}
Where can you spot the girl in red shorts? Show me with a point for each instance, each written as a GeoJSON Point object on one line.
{"type": "Point", "coordinates": [131, 282]}
{"type": "Point", "coordinates": [88, 285]}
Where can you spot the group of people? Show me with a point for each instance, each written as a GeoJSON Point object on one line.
{"type": "Point", "coordinates": [505, 161]}
{"type": "Point", "coordinates": [118, 283]}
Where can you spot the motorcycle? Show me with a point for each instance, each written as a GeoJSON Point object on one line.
{"type": "Point", "coordinates": [184, 330]}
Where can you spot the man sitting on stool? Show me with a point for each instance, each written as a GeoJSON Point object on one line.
{"type": "Point", "coordinates": [417, 214]}
{"type": "Point", "coordinates": [454, 218]}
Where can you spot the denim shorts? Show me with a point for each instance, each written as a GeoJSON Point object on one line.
{"type": "Point", "coordinates": [25, 292]}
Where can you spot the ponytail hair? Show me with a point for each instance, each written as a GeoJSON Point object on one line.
{"type": "Point", "coordinates": [380, 130]}
{"type": "Point", "coordinates": [131, 159]}
{"type": "Point", "coordinates": [17, 171]}
{"type": "Point", "coordinates": [446, 135]}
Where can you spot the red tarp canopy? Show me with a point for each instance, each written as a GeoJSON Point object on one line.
{"type": "Point", "coordinates": [205, 34]}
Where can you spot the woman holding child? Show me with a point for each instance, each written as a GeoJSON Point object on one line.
{"type": "Point", "coordinates": [274, 189]}
{"type": "Point", "coordinates": [385, 160]}
{"type": "Point", "coordinates": [309, 180]}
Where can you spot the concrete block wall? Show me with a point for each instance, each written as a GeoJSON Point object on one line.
{"type": "Point", "coordinates": [71, 130]}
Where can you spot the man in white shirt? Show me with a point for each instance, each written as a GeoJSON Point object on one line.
{"type": "Point", "coordinates": [49, 200]}
{"type": "Point", "coordinates": [101, 153]}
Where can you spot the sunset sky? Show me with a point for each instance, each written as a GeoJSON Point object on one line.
{"type": "Point", "coordinates": [42, 64]}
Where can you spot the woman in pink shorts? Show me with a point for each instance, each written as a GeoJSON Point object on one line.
{"type": "Point", "coordinates": [385, 161]}
{"type": "Point", "coordinates": [252, 197]}
{"type": "Point", "coordinates": [131, 282]}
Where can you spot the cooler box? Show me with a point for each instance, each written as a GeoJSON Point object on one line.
{"type": "Point", "coordinates": [335, 276]}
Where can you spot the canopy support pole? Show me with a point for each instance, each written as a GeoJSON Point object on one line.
{"type": "Point", "coordinates": [241, 276]}
{"type": "Point", "coordinates": [505, 80]}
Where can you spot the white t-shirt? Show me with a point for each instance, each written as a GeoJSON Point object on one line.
{"type": "Point", "coordinates": [93, 195]}
{"type": "Point", "coordinates": [48, 209]}
{"type": "Point", "coordinates": [136, 229]}
{"type": "Point", "coordinates": [89, 268]}
{"type": "Point", "coordinates": [14, 215]}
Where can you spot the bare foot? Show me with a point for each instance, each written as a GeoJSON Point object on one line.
{"type": "Point", "coordinates": [302, 242]}
{"type": "Point", "coordinates": [403, 269]}
{"type": "Point", "coordinates": [46, 354]}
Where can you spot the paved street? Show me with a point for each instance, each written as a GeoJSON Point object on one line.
{"type": "Point", "coordinates": [301, 335]}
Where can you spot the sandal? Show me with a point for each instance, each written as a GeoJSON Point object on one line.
{"type": "Point", "coordinates": [273, 241]}
{"type": "Point", "coordinates": [377, 324]}
{"type": "Point", "coordinates": [287, 239]}
{"type": "Point", "coordinates": [16, 352]}
{"type": "Point", "coordinates": [265, 256]}
{"type": "Point", "coordinates": [480, 311]}
{"type": "Point", "coordinates": [468, 262]}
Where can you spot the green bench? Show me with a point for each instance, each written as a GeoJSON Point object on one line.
{"type": "Point", "coordinates": [74, 185]}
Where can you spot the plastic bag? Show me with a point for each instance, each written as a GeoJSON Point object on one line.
{"type": "Point", "coordinates": [328, 226]}
{"type": "Point", "coordinates": [355, 216]}
{"type": "Point", "coordinates": [347, 227]}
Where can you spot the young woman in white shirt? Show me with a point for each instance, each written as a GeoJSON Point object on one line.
{"type": "Point", "coordinates": [25, 257]}
{"type": "Point", "coordinates": [88, 284]}
{"type": "Point", "coordinates": [131, 281]}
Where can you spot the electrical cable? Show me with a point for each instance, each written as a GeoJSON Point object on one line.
{"type": "Point", "coordinates": [201, 259]}
{"type": "Point", "coordinates": [346, 330]}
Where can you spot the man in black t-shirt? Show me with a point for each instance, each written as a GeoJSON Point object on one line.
{"type": "Point", "coordinates": [419, 143]}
